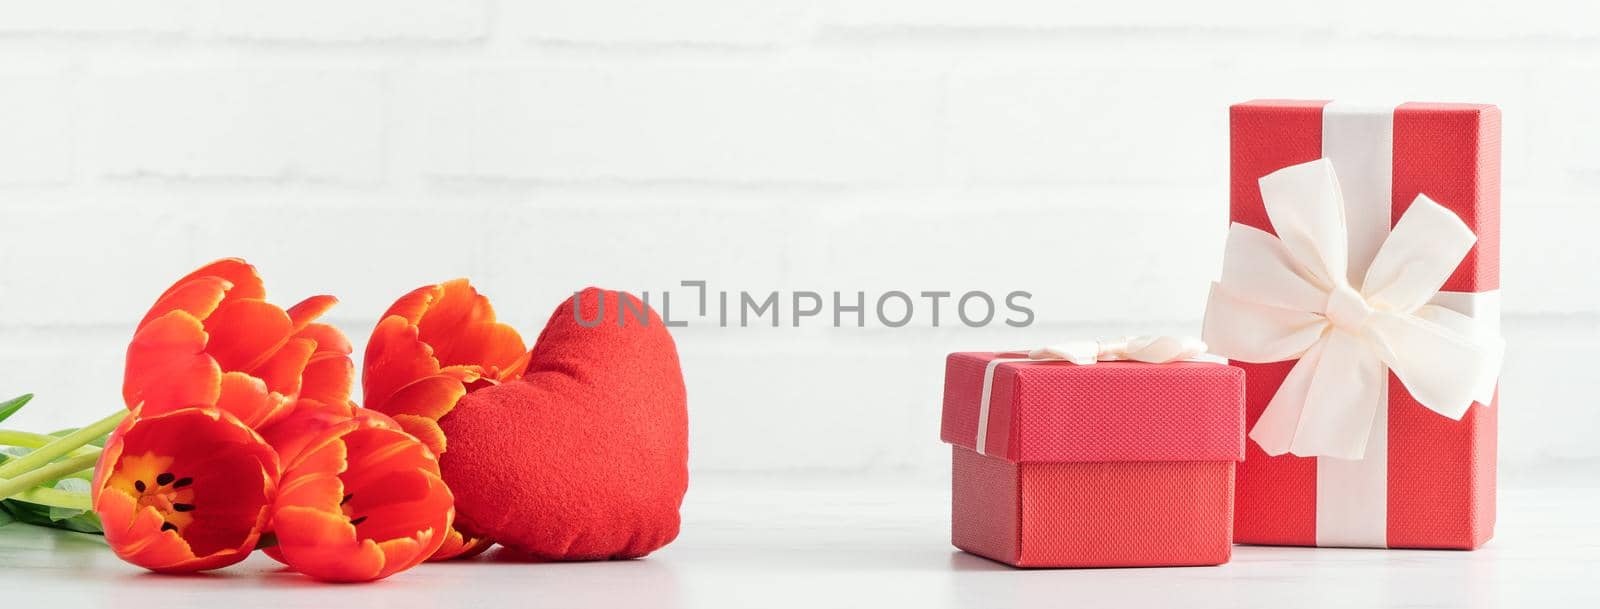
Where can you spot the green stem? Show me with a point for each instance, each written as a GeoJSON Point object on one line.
{"type": "Point", "coordinates": [34, 440]}
{"type": "Point", "coordinates": [56, 498]}
{"type": "Point", "coordinates": [26, 439]}
{"type": "Point", "coordinates": [48, 473]}
{"type": "Point", "coordinates": [68, 443]}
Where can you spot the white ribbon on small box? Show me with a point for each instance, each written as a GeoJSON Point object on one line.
{"type": "Point", "coordinates": [1147, 349]}
{"type": "Point", "coordinates": [1352, 300]}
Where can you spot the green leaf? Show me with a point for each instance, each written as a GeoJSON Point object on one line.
{"type": "Point", "coordinates": [8, 453]}
{"type": "Point", "coordinates": [11, 406]}
{"type": "Point", "coordinates": [6, 517]}
{"type": "Point", "coordinates": [71, 485]}
{"type": "Point", "coordinates": [27, 513]}
{"type": "Point", "coordinates": [87, 522]}
{"type": "Point", "coordinates": [39, 515]}
{"type": "Point", "coordinates": [59, 514]}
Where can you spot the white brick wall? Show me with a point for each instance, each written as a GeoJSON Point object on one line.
{"type": "Point", "coordinates": [728, 124]}
{"type": "Point", "coordinates": [300, 21]}
{"type": "Point", "coordinates": [703, 23]}
{"type": "Point", "coordinates": [365, 148]}
{"type": "Point", "coordinates": [36, 118]}
{"type": "Point", "coordinates": [236, 123]}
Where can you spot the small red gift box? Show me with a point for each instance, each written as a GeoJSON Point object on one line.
{"type": "Point", "coordinates": [1110, 464]}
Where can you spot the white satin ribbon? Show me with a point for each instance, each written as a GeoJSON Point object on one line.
{"type": "Point", "coordinates": [1291, 297]}
{"type": "Point", "coordinates": [1148, 349]}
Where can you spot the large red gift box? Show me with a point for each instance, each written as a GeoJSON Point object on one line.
{"type": "Point", "coordinates": [1424, 480]}
{"type": "Point", "coordinates": [1102, 465]}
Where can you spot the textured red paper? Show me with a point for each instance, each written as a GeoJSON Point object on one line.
{"type": "Point", "coordinates": [1111, 464]}
{"type": "Point", "coordinates": [1109, 411]}
{"type": "Point", "coordinates": [1441, 472]}
{"type": "Point", "coordinates": [1130, 514]}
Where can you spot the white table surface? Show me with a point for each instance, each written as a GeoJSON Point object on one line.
{"type": "Point", "coordinates": [797, 541]}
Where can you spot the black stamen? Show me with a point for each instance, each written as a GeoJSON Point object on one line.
{"type": "Point", "coordinates": [182, 507]}
{"type": "Point", "coordinates": [182, 482]}
{"type": "Point", "coordinates": [345, 500]}
{"type": "Point", "coordinates": [138, 485]}
{"type": "Point", "coordinates": [357, 521]}
{"type": "Point", "coordinates": [167, 526]}
{"type": "Point", "coordinates": [164, 479]}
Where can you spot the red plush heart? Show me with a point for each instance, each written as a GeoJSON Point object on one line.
{"type": "Point", "coordinates": [585, 457]}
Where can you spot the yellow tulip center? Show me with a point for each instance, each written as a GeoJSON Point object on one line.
{"type": "Point", "coordinates": [149, 480]}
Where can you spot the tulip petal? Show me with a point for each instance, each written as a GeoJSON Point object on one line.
{"type": "Point", "coordinates": [425, 430]}
{"type": "Point", "coordinates": [234, 493]}
{"type": "Point", "coordinates": [458, 545]}
{"type": "Point", "coordinates": [246, 398]}
{"type": "Point", "coordinates": [466, 374]}
{"type": "Point", "coordinates": [281, 371]}
{"type": "Point", "coordinates": [415, 303]}
{"type": "Point", "coordinates": [240, 275]}
{"type": "Point", "coordinates": [323, 545]}
{"type": "Point", "coordinates": [403, 553]}
{"type": "Point", "coordinates": [390, 482]}
{"type": "Point", "coordinates": [497, 346]}
{"type": "Point", "coordinates": [316, 481]}
{"type": "Point", "coordinates": [394, 358]}
{"type": "Point", "coordinates": [460, 327]}
{"type": "Point", "coordinates": [306, 311]}
{"type": "Point", "coordinates": [245, 332]}
{"type": "Point", "coordinates": [430, 397]}
{"type": "Point", "coordinates": [328, 338]}
{"type": "Point", "coordinates": [307, 422]}
{"type": "Point", "coordinates": [380, 452]}
{"type": "Point", "coordinates": [516, 368]}
{"type": "Point", "coordinates": [246, 282]}
{"type": "Point", "coordinates": [458, 306]}
{"type": "Point", "coordinates": [167, 367]}
{"type": "Point", "coordinates": [143, 542]}
{"type": "Point", "coordinates": [198, 297]}
{"type": "Point", "coordinates": [328, 377]}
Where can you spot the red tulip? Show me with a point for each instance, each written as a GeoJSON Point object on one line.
{"type": "Point", "coordinates": [434, 345]}
{"type": "Point", "coordinates": [185, 490]}
{"type": "Point", "coordinates": [212, 339]}
{"type": "Point", "coordinates": [361, 502]}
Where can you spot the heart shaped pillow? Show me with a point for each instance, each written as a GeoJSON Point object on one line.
{"type": "Point", "coordinates": [586, 456]}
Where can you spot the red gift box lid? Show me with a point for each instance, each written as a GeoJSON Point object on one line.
{"type": "Point", "coordinates": [1053, 411]}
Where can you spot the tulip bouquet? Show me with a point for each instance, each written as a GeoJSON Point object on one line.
{"type": "Point", "coordinates": [240, 433]}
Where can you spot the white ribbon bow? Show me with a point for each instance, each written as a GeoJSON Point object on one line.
{"type": "Point", "coordinates": [1289, 297]}
{"type": "Point", "coordinates": [1148, 349]}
